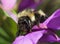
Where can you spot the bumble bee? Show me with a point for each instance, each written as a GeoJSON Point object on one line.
{"type": "Point", "coordinates": [27, 19]}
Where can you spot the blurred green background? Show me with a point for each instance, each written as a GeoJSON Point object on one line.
{"type": "Point", "coordinates": [8, 27]}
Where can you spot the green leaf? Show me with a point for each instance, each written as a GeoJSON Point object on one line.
{"type": "Point", "coordinates": [4, 34]}
{"type": "Point", "coordinates": [10, 27]}
{"type": "Point", "coordinates": [3, 41]}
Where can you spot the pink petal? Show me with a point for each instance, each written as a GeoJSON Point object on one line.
{"type": "Point", "coordinates": [8, 4]}
{"type": "Point", "coordinates": [17, 39]}
{"type": "Point", "coordinates": [50, 38]}
{"type": "Point", "coordinates": [31, 38]}
{"type": "Point", "coordinates": [35, 36]}
{"type": "Point", "coordinates": [53, 21]}
{"type": "Point", "coordinates": [22, 40]}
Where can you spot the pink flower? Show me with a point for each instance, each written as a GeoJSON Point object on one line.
{"type": "Point", "coordinates": [45, 32]}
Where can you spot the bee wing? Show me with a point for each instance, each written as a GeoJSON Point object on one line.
{"type": "Point", "coordinates": [53, 21]}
